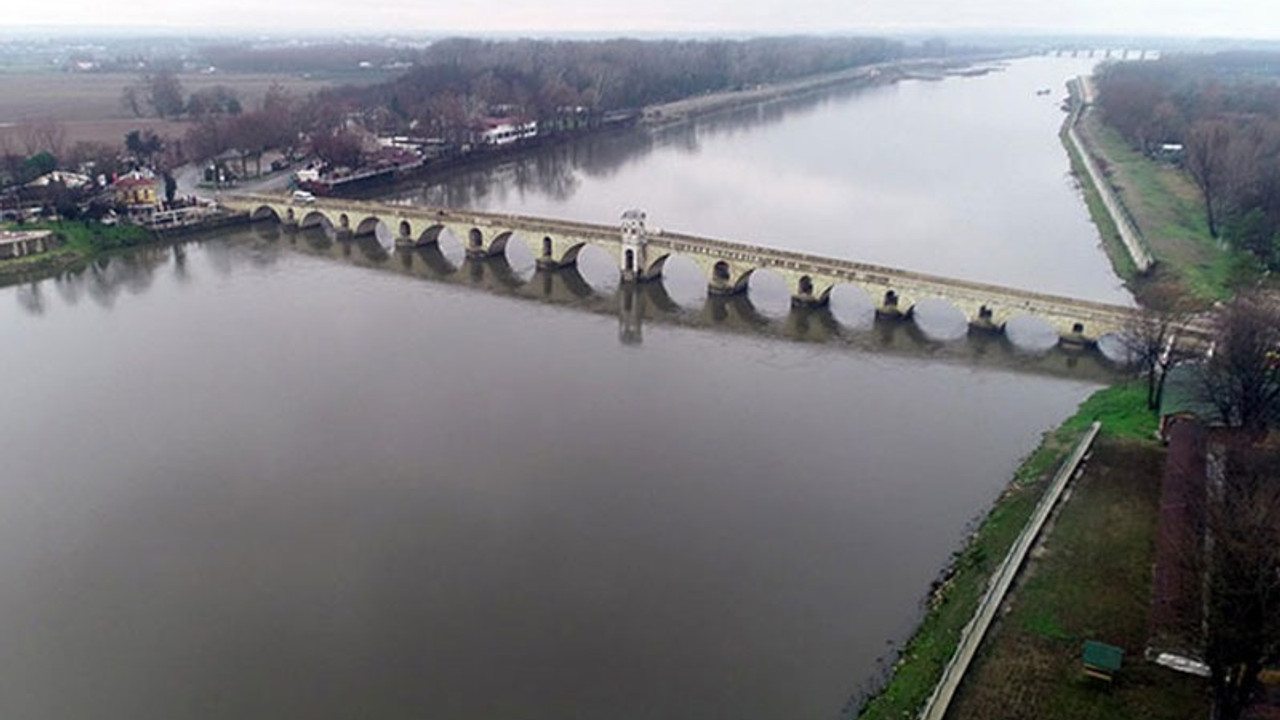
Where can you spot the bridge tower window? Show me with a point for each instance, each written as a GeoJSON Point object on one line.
{"type": "Point", "coordinates": [1077, 328]}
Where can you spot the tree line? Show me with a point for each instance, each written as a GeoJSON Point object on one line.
{"type": "Point", "coordinates": [564, 85]}
{"type": "Point", "coordinates": [458, 78]}
{"type": "Point", "coordinates": [1225, 112]}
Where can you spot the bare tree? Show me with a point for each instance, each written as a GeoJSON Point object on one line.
{"type": "Point", "coordinates": [43, 135]}
{"type": "Point", "coordinates": [1207, 156]}
{"type": "Point", "coordinates": [164, 93]}
{"type": "Point", "coordinates": [131, 99]}
{"type": "Point", "coordinates": [1153, 343]}
{"type": "Point", "coordinates": [1243, 603]}
{"type": "Point", "coordinates": [1241, 379]}
{"type": "Point", "coordinates": [100, 158]}
{"type": "Point", "coordinates": [340, 149]}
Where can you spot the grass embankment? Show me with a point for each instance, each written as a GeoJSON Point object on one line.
{"type": "Point", "coordinates": [1090, 580]}
{"type": "Point", "coordinates": [1167, 208]}
{"type": "Point", "coordinates": [1122, 410]}
{"type": "Point", "coordinates": [78, 243]}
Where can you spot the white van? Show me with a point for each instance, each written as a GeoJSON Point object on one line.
{"type": "Point", "coordinates": [302, 197]}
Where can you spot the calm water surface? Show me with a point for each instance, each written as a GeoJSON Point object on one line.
{"type": "Point", "coordinates": [244, 480]}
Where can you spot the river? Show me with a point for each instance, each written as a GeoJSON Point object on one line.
{"type": "Point", "coordinates": [262, 476]}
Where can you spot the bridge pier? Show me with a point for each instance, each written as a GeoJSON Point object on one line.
{"type": "Point", "coordinates": [892, 307]}
{"type": "Point", "coordinates": [806, 295]}
{"type": "Point", "coordinates": [985, 321]}
{"type": "Point", "coordinates": [809, 302]}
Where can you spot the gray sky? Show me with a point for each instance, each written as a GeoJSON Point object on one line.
{"type": "Point", "coordinates": [1218, 18]}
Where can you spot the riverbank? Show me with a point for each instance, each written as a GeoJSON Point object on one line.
{"type": "Point", "coordinates": [1122, 228]}
{"type": "Point", "coordinates": [1090, 579]}
{"type": "Point", "coordinates": [685, 109]}
{"type": "Point", "coordinates": [79, 243]}
{"type": "Point", "coordinates": [1164, 209]}
{"type": "Point", "coordinates": [954, 598]}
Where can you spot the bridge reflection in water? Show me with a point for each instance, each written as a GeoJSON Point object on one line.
{"type": "Point", "coordinates": [638, 304]}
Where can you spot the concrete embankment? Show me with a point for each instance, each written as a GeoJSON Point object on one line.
{"type": "Point", "coordinates": [1082, 101]}
{"type": "Point", "coordinates": [973, 633]}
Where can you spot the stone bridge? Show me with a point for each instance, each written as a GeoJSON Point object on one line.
{"type": "Point", "coordinates": [728, 266]}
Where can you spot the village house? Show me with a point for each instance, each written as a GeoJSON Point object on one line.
{"type": "Point", "coordinates": [136, 190]}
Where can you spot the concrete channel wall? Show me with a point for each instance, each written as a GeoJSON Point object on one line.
{"type": "Point", "coordinates": [1129, 235]}
{"type": "Point", "coordinates": [973, 633]}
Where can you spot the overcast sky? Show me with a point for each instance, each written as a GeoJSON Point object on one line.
{"type": "Point", "coordinates": [1197, 18]}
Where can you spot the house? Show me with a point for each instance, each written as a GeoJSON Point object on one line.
{"type": "Point", "coordinates": [137, 190]}
{"type": "Point", "coordinates": [68, 180]}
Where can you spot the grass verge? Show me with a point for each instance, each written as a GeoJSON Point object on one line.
{"type": "Point", "coordinates": [1122, 410]}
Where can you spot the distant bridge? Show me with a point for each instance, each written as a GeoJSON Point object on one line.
{"type": "Point", "coordinates": [1105, 53]}
{"type": "Point", "coordinates": [728, 266]}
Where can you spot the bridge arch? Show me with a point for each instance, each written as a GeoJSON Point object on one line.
{"type": "Point", "coordinates": [1031, 333]}
{"type": "Point", "coordinates": [369, 226]}
{"type": "Point", "coordinates": [852, 305]}
{"type": "Point", "coordinates": [594, 265]}
{"type": "Point", "coordinates": [317, 218]}
{"type": "Point", "coordinates": [265, 212]}
{"type": "Point", "coordinates": [940, 319]}
{"type": "Point", "coordinates": [682, 278]}
{"type": "Point", "coordinates": [770, 290]}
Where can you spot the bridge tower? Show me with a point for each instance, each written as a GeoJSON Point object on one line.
{"type": "Point", "coordinates": [635, 242]}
